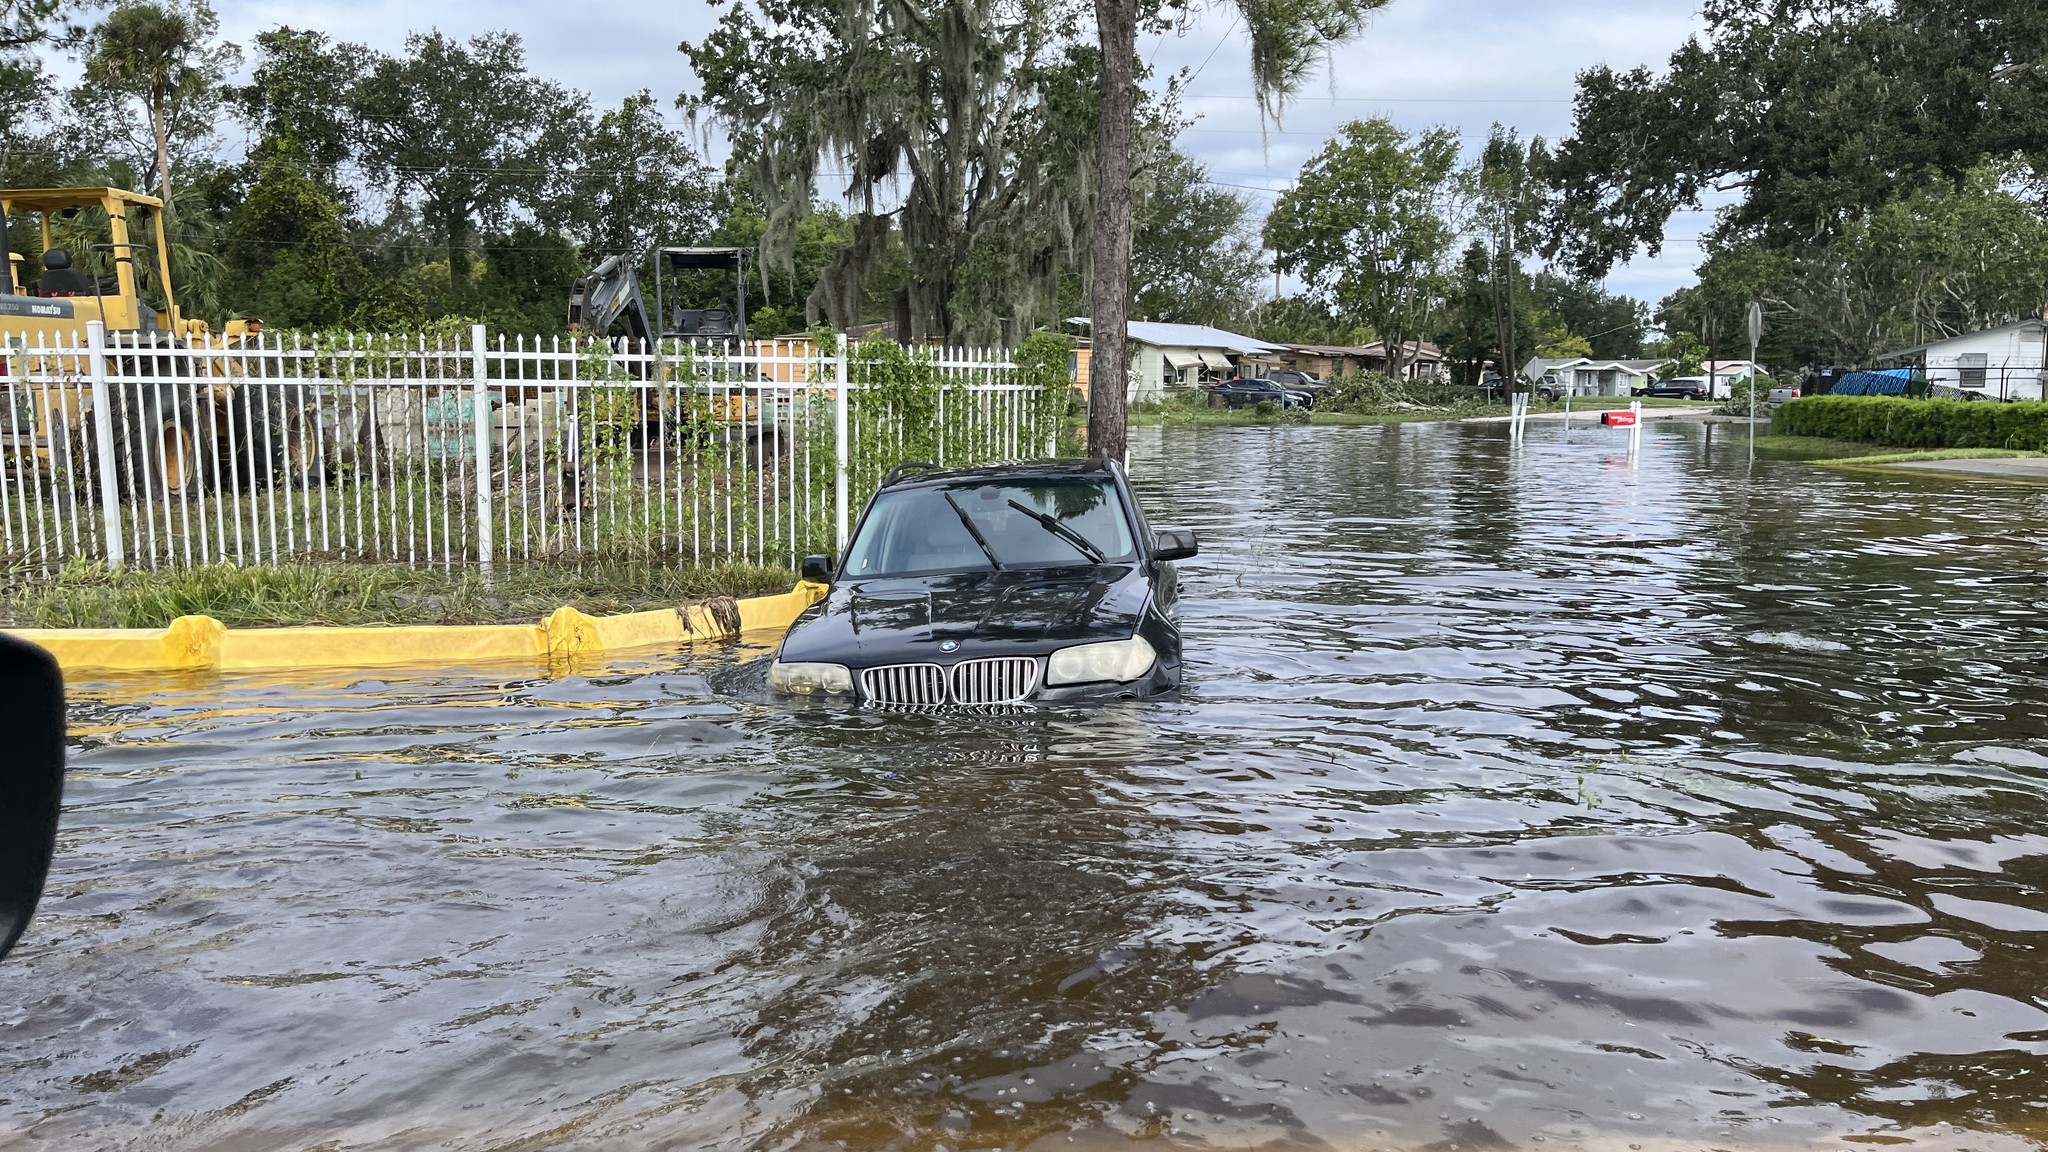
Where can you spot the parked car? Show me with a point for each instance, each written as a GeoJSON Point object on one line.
{"type": "Point", "coordinates": [1241, 392]}
{"type": "Point", "coordinates": [1678, 388]}
{"type": "Point", "coordinates": [1295, 380]}
{"type": "Point", "coordinates": [993, 586]}
{"type": "Point", "coordinates": [1781, 394]}
{"type": "Point", "coordinates": [1950, 392]}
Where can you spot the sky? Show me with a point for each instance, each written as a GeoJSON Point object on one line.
{"type": "Point", "coordinates": [1421, 63]}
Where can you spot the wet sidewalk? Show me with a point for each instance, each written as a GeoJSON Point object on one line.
{"type": "Point", "coordinates": [2002, 468]}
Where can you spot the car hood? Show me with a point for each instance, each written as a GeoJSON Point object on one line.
{"type": "Point", "coordinates": [1013, 613]}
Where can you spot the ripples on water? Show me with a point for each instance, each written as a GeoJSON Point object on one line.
{"type": "Point", "coordinates": [1516, 797]}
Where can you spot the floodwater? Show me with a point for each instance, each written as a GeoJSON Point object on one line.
{"type": "Point", "coordinates": [1519, 797]}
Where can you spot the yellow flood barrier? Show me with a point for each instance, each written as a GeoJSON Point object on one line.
{"type": "Point", "coordinates": [201, 643]}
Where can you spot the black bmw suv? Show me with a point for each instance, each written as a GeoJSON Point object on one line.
{"type": "Point", "coordinates": [993, 586]}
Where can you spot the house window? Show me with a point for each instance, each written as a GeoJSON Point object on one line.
{"type": "Point", "coordinates": [1972, 367]}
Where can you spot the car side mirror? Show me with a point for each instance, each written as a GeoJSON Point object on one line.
{"type": "Point", "coordinates": [31, 779]}
{"type": "Point", "coordinates": [1174, 544]}
{"type": "Point", "coordinates": [817, 569]}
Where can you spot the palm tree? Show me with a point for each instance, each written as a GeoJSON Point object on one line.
{"type": "Point", "coordinates": [161, 54]}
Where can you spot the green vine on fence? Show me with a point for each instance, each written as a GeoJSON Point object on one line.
{"type": "Point", "coordinates": [895, 406]}
{"type": "Point", "coordinates": [1044, 363]}
{"type": "Point", "coordinates": [436, 351]}
{"type": "Point", "coordinates": [610, 412]}
{"type": "Point", "coordinates": [905, 407]}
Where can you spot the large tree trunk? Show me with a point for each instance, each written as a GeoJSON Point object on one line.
{"type": "Point", "coordinates": [458, 253]}
{"type": "Point", "coordinates": [1507, 262]}
{"type": "Point", "coordinates": [1116, 27]}
{"type": "Point", "coordinates": [1513, 271]}
{"type": "Point", "coordinates": [163, 151]}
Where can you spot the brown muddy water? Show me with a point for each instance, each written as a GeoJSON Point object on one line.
{"type": "Point", "coordinates": [1518, 798]}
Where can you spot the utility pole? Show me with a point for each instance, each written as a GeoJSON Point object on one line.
{"type": "Point", "coordinates": [1710, 331]}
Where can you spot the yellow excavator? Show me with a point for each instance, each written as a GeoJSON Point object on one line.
{"type": "Point", "coordinates": [171, 437]}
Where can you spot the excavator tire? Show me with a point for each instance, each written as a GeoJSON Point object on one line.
{"type": "Point", "coordinates": [164, 447]}
{"type": "Point", "coordinates": [277, 436]}
{"type": "Point", "coordinates": [160, 449]}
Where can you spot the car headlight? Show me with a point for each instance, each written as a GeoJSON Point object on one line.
{"type": "Point", "coordinates": [810, 679]}
{"type": "Point", "coordinates": [1119, 660]}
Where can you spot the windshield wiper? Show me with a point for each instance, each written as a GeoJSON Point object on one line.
{"type": "Point", "coordinates": [1081, 543]}
{"type": "Point", "coordinates": [967, 522]}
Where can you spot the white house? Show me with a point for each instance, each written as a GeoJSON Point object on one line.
{"type": "Point", "coordinates": [1169, 356]}
{"type": "Point", "coordinates": [1728, 373]}
{"type": "Point", "coordinates": [1585, 376]}
{"type": "Point", "coordinates": [2005, 363]}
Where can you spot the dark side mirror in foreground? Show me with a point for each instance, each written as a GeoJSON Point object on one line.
{"type": "Point", "coordinates": [817, 569]}
{"type": "Point", "coordinates": [1174, 544]}
{"type": "Point", "coordinates": [31, 779]}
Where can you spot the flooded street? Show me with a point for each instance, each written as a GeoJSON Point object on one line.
{"type": "Point", "coordinates": [1518, 797]}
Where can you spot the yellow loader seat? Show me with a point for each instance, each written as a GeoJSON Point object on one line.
{"type": "Point", "coordinates": [60, 278]}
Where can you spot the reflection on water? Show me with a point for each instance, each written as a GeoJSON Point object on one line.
{"type": "Point", "coordinates": [1515, 797]}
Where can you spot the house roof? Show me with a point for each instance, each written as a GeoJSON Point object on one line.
{"type": "Point", "coordinates": [1332, 350]}
{"type": "Point", "coordinates": [1195, 336]}
{"type": "Point", "coordinates": [1722, 364]}
{"type": "Point", "coordinates": [1377, 350]}
{"type": "Point", "coordinates": [1415, 349]}
{"type": "Point", "coordinates": [1916, 349]}
{"type": "Point", "coordinates": [1542, 364]}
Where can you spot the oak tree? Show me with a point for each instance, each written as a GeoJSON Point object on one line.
{"type": "Point", "coordinates": [1369, 226]}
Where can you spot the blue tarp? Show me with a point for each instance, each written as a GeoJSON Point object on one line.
{"type": "Point", "coordinates": [1890, 382]}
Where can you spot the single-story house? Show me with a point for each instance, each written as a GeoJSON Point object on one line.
{"type": "Point", "coordinates": [1323, 361]}
{"type": "Point", "coordinates": [1422, 360]}
{"type": "Point", "coordinates": [1171, 356]}
{"type": "Point", "coordinates": [2006, 363]}
{"type": "Point", "coordinates": [1730, 372]}
{"type": "Point", "coordinates": [1585, 376]}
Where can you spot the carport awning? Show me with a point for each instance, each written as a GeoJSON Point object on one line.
{"type": "Point", "coordinates": [1216, 360]}
{"type": "Point", "coordinates": [1180, 359]}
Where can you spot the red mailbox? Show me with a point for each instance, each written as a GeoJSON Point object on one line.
{"type": "Point", "coordinates": [1618, 419]}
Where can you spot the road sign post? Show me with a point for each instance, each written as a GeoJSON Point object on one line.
{"type": "Point", "coordinates": [1756, 335]}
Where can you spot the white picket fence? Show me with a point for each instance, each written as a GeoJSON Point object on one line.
{"type": "Point", "coordinates": [476, 452]}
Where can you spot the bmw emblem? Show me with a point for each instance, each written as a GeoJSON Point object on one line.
{"type": "Point", "coordinates": [949, 646]}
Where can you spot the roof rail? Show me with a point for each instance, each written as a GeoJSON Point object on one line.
{"type": "Point", "coordinates": [900, 471]}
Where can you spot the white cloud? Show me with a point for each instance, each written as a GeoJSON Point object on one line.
{"type": "Point", "coordinates": [1466, 64]}
{"type": "Point", "coordinates": [1463, 63]}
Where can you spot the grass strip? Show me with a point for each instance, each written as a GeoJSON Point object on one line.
{"type": "Point", "coordinates": [1853, 453]}
{"type": "Point", "coordinates": [1929, 454]}
{"type": "Point", "coordinates": [333, 593]}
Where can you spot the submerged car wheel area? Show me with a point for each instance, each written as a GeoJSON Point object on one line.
{"type": "Point", "coordinates": [993, 586]}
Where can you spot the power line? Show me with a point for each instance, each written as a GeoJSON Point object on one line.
{"type": "Point", "coordinates": [1395, 99]}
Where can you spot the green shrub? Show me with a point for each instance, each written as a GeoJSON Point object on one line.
{"type": "Point", "coordinates": [1267, 408]}
{"type": "Point", "coordinates": [1896, 422]}
{"type": "Point", "coordinates": [1742, 393]}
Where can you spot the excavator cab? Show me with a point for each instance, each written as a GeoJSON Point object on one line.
{"type": "Point", "coordinates": [68, 293]}
{"type": "Point", "coordinates": [729, 268]}
{"type": "Point", "coordinates": [99, 254]}
{"type": "Point", "coordinates": [609, 299]}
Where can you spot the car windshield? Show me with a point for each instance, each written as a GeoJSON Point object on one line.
{"type": "Point", "coordinates": [975, 528]}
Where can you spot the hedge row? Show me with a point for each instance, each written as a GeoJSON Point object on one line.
{"type": "Point", "coordinates": [1896, 422]}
